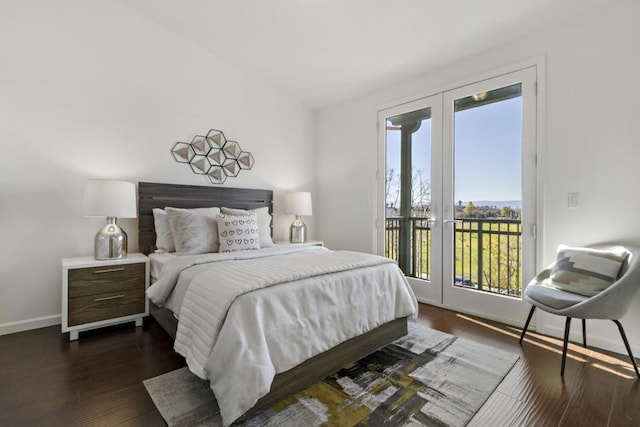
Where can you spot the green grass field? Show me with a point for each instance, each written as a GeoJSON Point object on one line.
{"type": "Point", "coordinates": [497, 270]}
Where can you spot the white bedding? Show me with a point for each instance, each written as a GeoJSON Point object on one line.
{"type": "Point", "coordinates": [241, 343]}
{"type": "Point", "coordinates": [174, 300]}
{"type": "Point", "coordinates": [170, 291]}
{"type": "Point", "coordinates": [157, 261]}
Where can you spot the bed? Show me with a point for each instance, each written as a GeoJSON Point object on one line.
{"type": "Point", "coordinates": [316, 367]}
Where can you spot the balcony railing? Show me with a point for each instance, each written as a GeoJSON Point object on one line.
{"type": "Point", "coordinates": [487, 252]}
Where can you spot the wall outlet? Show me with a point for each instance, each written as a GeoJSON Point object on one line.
{"type": "Point", "coordinates": [572, 200]}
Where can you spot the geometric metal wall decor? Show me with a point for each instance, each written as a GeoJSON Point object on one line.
{"type": "Point", "coordinates": [213, 155]}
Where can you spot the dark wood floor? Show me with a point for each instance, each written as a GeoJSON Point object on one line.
{"type": "Point", "coordinates": [45, 380]}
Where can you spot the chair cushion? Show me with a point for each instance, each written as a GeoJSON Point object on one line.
{"type": "Point", "coordinates": [586, 271]}
{"type": "Point", "coordinates": [551, 297]}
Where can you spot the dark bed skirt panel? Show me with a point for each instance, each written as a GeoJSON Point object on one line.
{"type": "Point", "coordinates": [316, 368]}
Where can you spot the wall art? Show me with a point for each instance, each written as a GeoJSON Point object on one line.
{"type": "Point", "coordinates": [213, 155]}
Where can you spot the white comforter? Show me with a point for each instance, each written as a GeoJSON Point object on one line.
{"type": "Point", "coordinates": [239, 331]}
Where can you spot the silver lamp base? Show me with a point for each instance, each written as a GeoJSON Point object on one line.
{"type": "Point", "coordinates": [298, 231]}
{"type": "Point", "coordinates": [110, 241]}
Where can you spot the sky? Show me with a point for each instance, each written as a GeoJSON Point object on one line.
{"type": "Point", "coordinates": [487, 151]}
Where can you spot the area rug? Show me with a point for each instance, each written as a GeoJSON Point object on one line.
{"type": "Point", "coordinates": [427, 378]}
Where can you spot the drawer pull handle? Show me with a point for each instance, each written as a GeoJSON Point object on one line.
{"type": "Point", "coordinates": [110, 270]}
{"type": "Point", "coordinates": [108, 298]}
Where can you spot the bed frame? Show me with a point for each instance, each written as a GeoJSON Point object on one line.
{"type": "Point", "coordinates": [154, 195]}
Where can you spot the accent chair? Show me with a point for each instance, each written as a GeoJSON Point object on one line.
{"type": "Point", "coordinates": [611, 303]}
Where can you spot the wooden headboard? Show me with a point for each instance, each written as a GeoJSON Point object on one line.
{"type": "Point", "coordinates": [154, 195]}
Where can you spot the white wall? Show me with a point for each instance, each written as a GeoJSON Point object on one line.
{"type": "Point", "coordinates": [92, 89]}
{"type": "Point", "coordinates": [592, 144]}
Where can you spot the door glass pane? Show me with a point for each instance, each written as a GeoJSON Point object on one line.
{"type": "Point", "coordinates": [488, 191]}
{"type": "Point", "coordinates": [408, 192]}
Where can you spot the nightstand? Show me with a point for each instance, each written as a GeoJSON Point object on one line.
{"type": "Point", "coordinates": [307, 243]}
{"type": "Point", "coordinates": [100, 293]}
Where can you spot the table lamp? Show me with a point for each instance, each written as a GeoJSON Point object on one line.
{"type": "Point", "coordinates": [297, 203]}
{"type": "Point", "coordinates": [110, 199]}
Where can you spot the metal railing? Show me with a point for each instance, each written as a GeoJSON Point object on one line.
{"type": "Point", "coordinates": [487, 252]}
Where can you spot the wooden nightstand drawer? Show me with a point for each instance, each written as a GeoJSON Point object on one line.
{"type": "Point", "coordinates": [100, 280]}
{"type": "Point", "coordinates": [97, 293]}
{"type": "Point", "coordinates": [93, 308]}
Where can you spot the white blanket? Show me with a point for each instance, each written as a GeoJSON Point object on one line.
{"type": "Point", "coordinates": [174, 266]}
{"type": "Point", "coordinates": [323, 300]}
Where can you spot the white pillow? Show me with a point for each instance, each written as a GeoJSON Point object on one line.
{"type": "Point", "coordinates": [195, 231]}
{"type": "Point", "coordinates": [264, 222]}
{"type": "Point", "coordinates": [164, 238]}
{"type": "Point", "coordinates": [586, 271]}
{"type": "Point", "coordinates": [238, 233]}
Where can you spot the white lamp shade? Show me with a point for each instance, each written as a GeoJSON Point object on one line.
{"type": "Point", "coordinates": [108, 198]}
{"type": "Point", "coordinates": [297, 203]}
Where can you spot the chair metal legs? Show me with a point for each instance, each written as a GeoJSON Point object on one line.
{"type": "Point", "coordinates": [584, 337]}
{"type": "Point", "coordinates": [565, 344]}
{"type": "Point", "coordinates": [526, 325]}
{"type": "Point", "coordinates": [626, 344]}
{"type": "Point", "coordinates": [567, 326]}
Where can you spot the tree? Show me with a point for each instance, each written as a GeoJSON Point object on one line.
{"type": "Point", "coordinates": [420, 191]}
{"type": "Point", "coordinates": [507, 212]}
{"type": "Point", "coordinates": [392, 188]}
{"type": "Point", "coordinates": [470, 211]}
{"type": "Point", "coordinates": [420, 194]}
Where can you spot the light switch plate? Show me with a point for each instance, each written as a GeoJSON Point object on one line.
{"type": "Point", "coordinates": [572, 200]}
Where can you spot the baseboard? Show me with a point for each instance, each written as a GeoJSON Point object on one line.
{"type": "Point", "coordinates": [27, 325]}
{"type": "Point", "coordinates": [613, 343]}
{"type": "Point", "coordinates": [428, 302]}
{"type": "Point", "coordinates": [498, 319]}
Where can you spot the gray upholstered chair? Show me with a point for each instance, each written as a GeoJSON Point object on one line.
{"type": "Point", "coordinates": [611, 303]}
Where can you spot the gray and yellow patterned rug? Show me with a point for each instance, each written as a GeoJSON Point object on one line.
{"type": "Point", "coordinates": [425, 378]}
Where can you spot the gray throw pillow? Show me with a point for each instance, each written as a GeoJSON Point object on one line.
{"type": "Point", "coordinates": [164, 238]}
{"type": "Point", "coordinates": [195, 231]}
{"type": "Point", "coordinates": [586, 271]}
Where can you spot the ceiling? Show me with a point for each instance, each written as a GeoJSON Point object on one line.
{"type": "Point", "coordinates": [326, 51]}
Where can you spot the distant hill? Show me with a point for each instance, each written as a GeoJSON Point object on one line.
{"type": "Point", "coordinates": [516, 204]}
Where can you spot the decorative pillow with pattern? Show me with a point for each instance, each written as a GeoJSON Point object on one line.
{"type": "Point", "coordinates": [264, 222]}
{"type": "Point", "coordinates": [586, 271]}
{"type": "Point", "coordinates": [238, 233]}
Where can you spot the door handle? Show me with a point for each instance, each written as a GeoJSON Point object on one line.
{"type": "Point", "coordinates": [452, 221]}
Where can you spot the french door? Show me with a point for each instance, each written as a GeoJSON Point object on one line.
{"type": "Point", "coordinates": [458, 199]}
{"type": "Point", "coordinates": [412, 207]}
